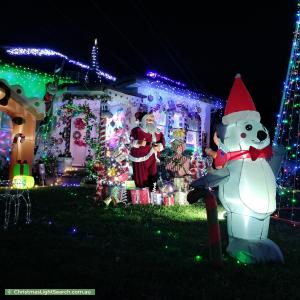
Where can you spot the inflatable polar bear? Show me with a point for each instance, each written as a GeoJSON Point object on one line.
{"type": "Point", "coordinates": [246, 181]}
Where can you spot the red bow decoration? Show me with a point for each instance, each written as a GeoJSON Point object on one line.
{"type": "Point", "coordinates": [265, 152]}
{"type": "Point", "coordinates": [252, 153]}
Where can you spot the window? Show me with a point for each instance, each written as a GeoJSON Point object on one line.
{"type": "Point", "coordinates": [161, 121]}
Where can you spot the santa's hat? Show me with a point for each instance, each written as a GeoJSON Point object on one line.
{"type": "Point", "coordinates": [239, 106]}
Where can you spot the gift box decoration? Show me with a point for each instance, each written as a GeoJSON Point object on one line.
{"type": "Point", "coordinates": [130, 184]}
{"type": "Point", "coordinates": [156, 198]}
{"type": "Point", "coordinates": [140, 196]}
{"type": "Point", "coordinates": [180, 198]}
{"type": "Point", "coordinates": [168, 200]}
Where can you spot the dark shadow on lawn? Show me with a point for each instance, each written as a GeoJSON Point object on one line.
{"type": "Point", "coordinates": [132, 252]}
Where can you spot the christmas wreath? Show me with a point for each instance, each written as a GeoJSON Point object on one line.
{"type": "Point", "coordinates": [77, 140]}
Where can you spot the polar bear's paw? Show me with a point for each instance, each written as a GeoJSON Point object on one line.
{"type": "Point", "coordinates": [254, 251]}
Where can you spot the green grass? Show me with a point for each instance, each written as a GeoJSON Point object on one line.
{"type": "Point", "coordinates": [135, 252]}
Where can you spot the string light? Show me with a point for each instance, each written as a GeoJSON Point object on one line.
{"type": "Point", "coordinates": [32, 81]}
{"type": "Point", "coordinates": [287, 133]}
{"type": "Point", "coordinates": [48, 52]}
{"type": "Point", "coordinates": [154, 75]}
{"type": "Point", "coordinates": [179, 92]}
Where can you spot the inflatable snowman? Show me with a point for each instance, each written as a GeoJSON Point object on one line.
{"type": "Point", "coordinates": [247, 187]}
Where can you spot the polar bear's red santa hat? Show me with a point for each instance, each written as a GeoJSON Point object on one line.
{"type": "Point", "coordinates": [239, 106]}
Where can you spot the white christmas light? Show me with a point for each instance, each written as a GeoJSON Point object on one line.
{"type": "Point", "coordinates": [48, 52]}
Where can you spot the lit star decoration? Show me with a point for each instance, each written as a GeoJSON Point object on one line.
{"type": "Point", "coordinates": [49, 52]}
{"type": "Point", "coordinates": [287, 133]}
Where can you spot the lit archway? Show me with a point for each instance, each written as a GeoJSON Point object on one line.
{"type": "Point", "coordinates": [24, 117]}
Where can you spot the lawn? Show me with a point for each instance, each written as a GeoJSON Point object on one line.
{"type": "Point", "coordinates": [135, 252]}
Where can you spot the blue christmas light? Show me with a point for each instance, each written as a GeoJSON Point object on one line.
{"type": "Point", "coordinates": [74, 230]}
{"type": "Point", "coordinates": [154, 75]}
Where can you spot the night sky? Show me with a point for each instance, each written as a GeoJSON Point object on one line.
{"type": "Point", "coordinates": [201, 43]}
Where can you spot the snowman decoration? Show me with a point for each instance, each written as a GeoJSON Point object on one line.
{"type": "Point", "coordinates": [246, 181]}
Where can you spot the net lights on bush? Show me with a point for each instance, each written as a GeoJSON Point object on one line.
{"type": "Point", "coordinates": [48, 52]}
{"type": "Point", "coordinates": [287, 133]}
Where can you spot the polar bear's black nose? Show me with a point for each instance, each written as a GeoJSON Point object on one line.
{"type": "Point", "coordinates": [261, 135]}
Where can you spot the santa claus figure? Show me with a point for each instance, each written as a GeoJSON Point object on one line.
{"type": "Point", "coordinates": [147, 143]}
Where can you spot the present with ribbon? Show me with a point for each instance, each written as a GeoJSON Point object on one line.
{"type": "Point", "coordinates": [156, 198]}
{"type": "Point", "coordinates": [140, 196]}
{"type": "Point", "coordinates": [168, 200]}
{"type": "Point", "coordinates": [180, 198]}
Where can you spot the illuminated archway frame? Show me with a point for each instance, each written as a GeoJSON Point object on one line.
{"type": "Point", "coordinates": [20, 106]}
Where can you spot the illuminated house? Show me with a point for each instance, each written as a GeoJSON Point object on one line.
{"type": "Point", "coordinates": [83, 115]}
{"type": "Point", "coordinates": [175, 106]}
{"type": "Point", "coordinates": [77, 114]}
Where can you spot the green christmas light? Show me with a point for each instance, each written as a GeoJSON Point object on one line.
{"type": "Point", "coordinates": [198, 258]}
{"type": "Point", "coordinates": [244, 257]}
{"type": "Point", "coordinates": [32, 81]}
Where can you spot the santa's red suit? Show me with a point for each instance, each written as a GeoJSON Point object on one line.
{"type": "Point", "coordinates": [143, 157]}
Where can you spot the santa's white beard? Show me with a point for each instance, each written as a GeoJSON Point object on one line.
{"type": "Point", "coordinates": [150, 128]}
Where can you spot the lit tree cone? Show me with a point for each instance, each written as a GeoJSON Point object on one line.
{"type": "Point", "coordinates": [214, 236]}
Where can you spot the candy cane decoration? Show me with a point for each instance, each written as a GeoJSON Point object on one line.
{"type": "Point", "coordinates": [16, 137]}
{"type": "Point", "coordinates": [67, 134]}
{"type": "Point", "coordinates": [214, 236]}
{"type": "Point", "coordinates": [19, 135]}
{"type": "Point", "coordinates": [102, 136]}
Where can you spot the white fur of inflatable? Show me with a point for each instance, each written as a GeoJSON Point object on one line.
{"type": "Point", "coordinates": [247, 187]}
{"type": "Point", "coordinates": [249, 191]}
{"type": "Point", "coordinates": [249, 196]}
